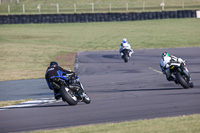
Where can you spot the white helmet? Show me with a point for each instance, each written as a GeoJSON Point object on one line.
{"type": "Point", "coordinates": [124, 40]}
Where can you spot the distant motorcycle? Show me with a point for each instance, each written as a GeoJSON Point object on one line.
{"type": "Point", "coordinates": [71, 90]}
{"type": "Point", "coordinates": [182, 74]}
{"type": "Point", "coordinates": [125, 54]}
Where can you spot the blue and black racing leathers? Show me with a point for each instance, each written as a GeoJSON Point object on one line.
{"type": "Point", "coordinates": [51, 72]}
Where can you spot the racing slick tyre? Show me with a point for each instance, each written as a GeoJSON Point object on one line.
{"type": "Point", "coordinates": [125, 57]}
{"type": "Point", "coordinates": [182, 80]}
{"type": "Point", "coordinates": [68, 95]}
{"type": "Point", "coordinates": [86, 98]}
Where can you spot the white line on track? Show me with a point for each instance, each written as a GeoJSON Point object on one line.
{"type": "Point", "coordinates": [155, 70]}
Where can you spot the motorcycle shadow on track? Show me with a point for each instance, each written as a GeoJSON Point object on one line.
{"type": "Point", "coordinates": [112, 56]}
{"type": "Point", "coordinates": [133, 90]}
{"type": "Point", "coordinates": [116, 57]}
{"type": "Point", "coordinates": [158, 89]}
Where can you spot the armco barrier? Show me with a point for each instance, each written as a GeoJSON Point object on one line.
{"type": "Point", "coordinates": [94, 17]}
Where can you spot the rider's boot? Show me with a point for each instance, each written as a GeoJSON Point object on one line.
{"type": "Point", "coordinates": [57, 95]}
{"type": "Point", "coordinates": [176, 82]}
{"type": "Point", "coordinates": [171, 78]}
{"type": "Point", "coordinates": [129, 55]}
{"type": "Point", "coordinates": [121, 53]}
{"type": "Point", "coordinates": [191, 84]}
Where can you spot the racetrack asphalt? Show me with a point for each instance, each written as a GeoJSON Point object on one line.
{"type": "Point", "coordinates": [119, 92]}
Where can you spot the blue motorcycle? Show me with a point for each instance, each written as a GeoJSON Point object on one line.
{"type": "Point", "coordinates": [70, 89]}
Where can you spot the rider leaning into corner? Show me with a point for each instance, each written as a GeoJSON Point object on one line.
{"type": "Point", "coordinates": [126, 45]}
{"type": "Point", "coordinates": [165, 62]}
{"type": "Point", "coordinates": [55, 70]}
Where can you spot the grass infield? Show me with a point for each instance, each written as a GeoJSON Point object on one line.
{"type": "Point", "coordinates": [27, 49]}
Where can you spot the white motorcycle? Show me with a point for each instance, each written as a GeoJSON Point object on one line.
{"type": "Point", "coordinates": [126, 54]}
{"type": "Point", "coordinates": [182, 74]}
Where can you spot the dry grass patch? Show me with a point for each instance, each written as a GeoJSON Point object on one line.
{"type": "Point", "coordinates": [66, 60]}
{"type": "Point", "coordinates": [13, 102]}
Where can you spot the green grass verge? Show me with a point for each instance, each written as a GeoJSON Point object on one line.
{"type": "Point", "coordinates": [181, 124]}
{"type": "Point", "coordinates": [26, 49]}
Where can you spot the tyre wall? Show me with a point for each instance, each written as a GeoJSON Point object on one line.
{"type": "Point", "coordinates": [94, 17]}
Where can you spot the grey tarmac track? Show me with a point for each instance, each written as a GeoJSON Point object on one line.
{"type": "Point", "coordinates": [119, 92]}
{"type": "Point", "coordinates": [24, 89]}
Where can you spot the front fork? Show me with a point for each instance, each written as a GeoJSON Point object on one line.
{"type": "Point", "coordinates": [79, 90]}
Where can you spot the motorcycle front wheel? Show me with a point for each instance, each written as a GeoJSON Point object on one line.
{"type": "Point", "coordinates": [182, 80]}
{"type": "Point", "coordinates": [125, 57]}
{"type": "Point", "coordinates": [86, 99]}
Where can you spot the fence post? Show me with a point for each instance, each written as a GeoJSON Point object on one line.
{"type": "Point", "coordinates": [74, 7]}
{"type": "Point", "coordinates": [127, 7]}
{"type": "Point", "coordinates": [183, 4]}
{"type": "Point", "coordinates": [162, 4]}
{"type": "Point", "coordinates": [110, 7]}
{"type": "Point", "coordinates": [0, 1]}
{"type": "Point", "coordinates": [39, 7]}
{"type": "Point", "coordinates": [92, 7]}
{"type": "Point", "coordinates": [57, 7]}
{"type": "Point", "coordinates": [8, 8]}
{"type": "Point", "coordinates": [17, 1]}
{"type": "Point", "coordinates": [143, 5]}
{"type": "Point", "coordinates": [23, 8]}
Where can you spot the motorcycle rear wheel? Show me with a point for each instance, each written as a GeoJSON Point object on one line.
{"type": "Point", "coordinates": [68, 95]}
{"type": "Point", "coordinates": [182, 81]}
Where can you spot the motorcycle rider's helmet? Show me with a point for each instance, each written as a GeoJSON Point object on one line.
{"type": "Point", "coordinates": [53, 63]}
{"type": "Point", "coordinates": [165, 54]}
{"type": "Point", "coordinates": [124, 40]}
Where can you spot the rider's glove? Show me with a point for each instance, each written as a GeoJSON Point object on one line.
{"type": "Point", "coordinates": [184, 62]}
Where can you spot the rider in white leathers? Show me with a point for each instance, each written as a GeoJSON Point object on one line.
{"type": "Point", "coordinates": [125, 45]}
{"type": "Point", "coordinates": [165, 65]}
